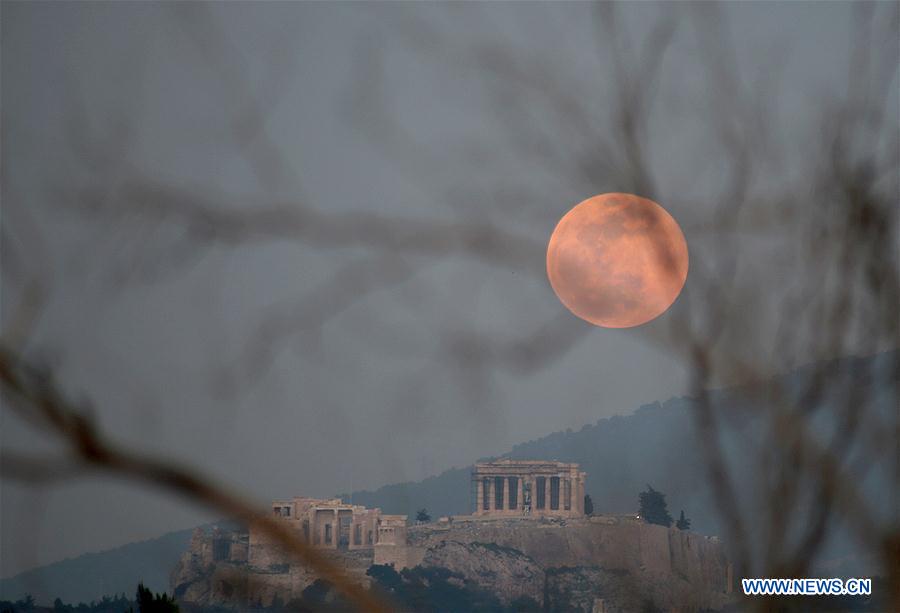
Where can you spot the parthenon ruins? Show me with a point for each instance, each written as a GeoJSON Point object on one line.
{"type": "Point", "coordinates": [528, 487]}
{"type": "Point", "coordinates": [501, 489]}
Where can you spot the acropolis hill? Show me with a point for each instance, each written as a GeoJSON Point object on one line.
{"type": "Point", "coordinates": [527, 536]}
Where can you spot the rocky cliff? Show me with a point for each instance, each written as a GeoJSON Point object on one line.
{"type": "Point", "coordinates": [215, 572]}
{"type": "Point", "coordinates": [593, 564]}
{"type": "Point", "coordinates": [625, 563]}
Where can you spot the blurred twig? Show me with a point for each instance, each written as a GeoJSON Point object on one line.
{"type": "Point", "coordinates": [33, 392]}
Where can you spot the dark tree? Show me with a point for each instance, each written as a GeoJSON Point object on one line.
{"type": "Point", "coordinates": [385, 576]}
{"type": "Point", "coordinates": [24, 604]}
{"type": "Point", "coordinates": [423, 516]}
{"type": "Point", "coordinates": [683, 522]}
{"type": "Point", "coordinates": [317, 593]}
{"type": "Point", "coordinates": [588, 505]}
{"type": "Point", "coordinates": [653, 507]}
{"type": "Point", "coordinates": [160, 603]}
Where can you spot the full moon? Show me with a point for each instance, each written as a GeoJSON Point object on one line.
{"type": "Point", "coordinates": [617, 260]}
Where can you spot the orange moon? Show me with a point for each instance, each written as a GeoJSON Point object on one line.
{"type": "Point", "coordinates": [617, 260]}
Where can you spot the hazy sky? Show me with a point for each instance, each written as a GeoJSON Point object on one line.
{"type": "Point", "coordinates": [400, 110]}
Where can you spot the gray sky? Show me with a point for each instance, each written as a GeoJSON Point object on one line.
{"type": "Point", "coordinates": [397, 110]}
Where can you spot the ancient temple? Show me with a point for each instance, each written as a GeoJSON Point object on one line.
{"type": "Point", "coordinates": [528, 487]}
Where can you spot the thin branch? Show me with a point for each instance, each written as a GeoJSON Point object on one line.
{"type": "Point", "coordinates": [35, 389]}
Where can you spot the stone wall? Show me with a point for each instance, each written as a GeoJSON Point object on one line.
{"type": "Point", "coordinates": [398, 556]}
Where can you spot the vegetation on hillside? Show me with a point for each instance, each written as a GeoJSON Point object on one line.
{"type": "Point", "coordinates": [653, 508]}
{"type": "Point", "coordinates": [145, 602]}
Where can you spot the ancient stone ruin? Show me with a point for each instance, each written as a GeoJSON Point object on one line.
{"type": "Point", "coordinates": [325, 524]}
{"type": "Point", "coordinates": [527, 537]}
{"type": "Point", "coordinates": [528, 487]}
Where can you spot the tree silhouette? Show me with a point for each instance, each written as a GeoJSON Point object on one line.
{"type": "Point", "coordinates": [423, 516]}
{"type": "Point", "coordinates": [683, 522]}
{"type": "Point", "coordinates": [653, 507]}
{"type": "Point", "coordinates": [147, 602]}
{"type": "Point", "coordinates": [588, 505]}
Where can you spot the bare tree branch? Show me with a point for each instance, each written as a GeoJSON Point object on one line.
{"type": "Point", "coordinates": [34, 391]}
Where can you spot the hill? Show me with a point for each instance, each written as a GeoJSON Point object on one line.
{"type": "Point", "coordinates": [93, 575]}
{"type": "Point", "coordinates": [656, 445]}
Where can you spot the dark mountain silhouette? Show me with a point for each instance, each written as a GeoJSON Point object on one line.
{"type": "Point", "coordinates": [620, 454]}
{"type": "Point", "coordinates": [655, 445]}
{"type": "Point", "coordinates": [94, 575]}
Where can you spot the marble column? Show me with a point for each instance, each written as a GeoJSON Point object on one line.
{"type": "Point", "coordinates": [336, 530]}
